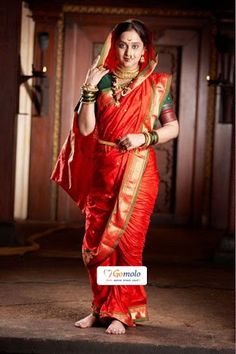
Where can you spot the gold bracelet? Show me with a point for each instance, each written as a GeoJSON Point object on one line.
{"type": "Point", "coordinates": [145, 136]}
{"type": "Point", "coordinates": [88, 93]}
{"type": "Point", "coordinates": [89, 88]}
{"type": "Point", "coordinates": [147, 139]}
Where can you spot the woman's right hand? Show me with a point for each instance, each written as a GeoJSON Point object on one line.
{"type": "Point", "coordinates": [95, 74]}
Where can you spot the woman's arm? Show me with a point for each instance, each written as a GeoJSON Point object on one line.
{"type": "Point", "coordinates": [168, 131]}
{"type": "Point", "coordinates": [86, 110]}
{"type": "Point", "coordinates": [86, 118]}
{"type": "Point", "coordinates": [170, 126]}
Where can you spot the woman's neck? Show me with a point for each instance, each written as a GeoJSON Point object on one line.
{"type": "Point", "coordinates": [126, 73]}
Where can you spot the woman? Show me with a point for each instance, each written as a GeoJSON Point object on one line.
{"type": "Point", "coordinates": [108, 166]}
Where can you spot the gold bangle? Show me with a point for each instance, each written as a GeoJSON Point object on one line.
{"type": "Point", "coordinates": [89, 88]}
{"type": "Point", "coordinates": [88, 94]}
{"type": "Point", "coordinates": [147, 139]}
{"type": "Point", "coordinates": [88, 97]}
{"type": "Point", "coordinates": [145, 136]}
{"type": "Point", "coordinates": [150, 139]}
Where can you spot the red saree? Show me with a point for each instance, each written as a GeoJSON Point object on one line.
{"type": "Point", "coordinates": [116, 190]}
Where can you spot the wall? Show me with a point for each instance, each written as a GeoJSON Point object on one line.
{"type": "Point", "coordinates": [10, 14]}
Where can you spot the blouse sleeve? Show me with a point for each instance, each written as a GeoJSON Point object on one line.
{"type": "Point", "coordinates": [167, 112]}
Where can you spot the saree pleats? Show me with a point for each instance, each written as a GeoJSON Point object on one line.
{"type": "Point", "coordinates": [128, 303]}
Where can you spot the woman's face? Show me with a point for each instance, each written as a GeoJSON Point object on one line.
{"type": "Point", "coordinates": [129, 49]}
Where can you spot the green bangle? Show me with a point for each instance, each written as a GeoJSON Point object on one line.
{"type": "Point", "coordinates": [155, 137]}
{"type": "Point", "coordinates": [83, 100]}
{"type": "Point", "coordinates": [151, 138]}
{"type": "Point", "coordinates": [86, 99]}
{"type": "Point", "coordinates": [88, 95]}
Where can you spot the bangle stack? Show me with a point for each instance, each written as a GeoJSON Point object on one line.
{"type": "Point", "coordinates": [151, 138]}
{"type": "Point", "coordinates": [88, 93]}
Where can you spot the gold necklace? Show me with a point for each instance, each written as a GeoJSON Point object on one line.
{"type": "Point", "coordinates": [122, 73]}
{"type": "Point", "coordinates": [119, 90]}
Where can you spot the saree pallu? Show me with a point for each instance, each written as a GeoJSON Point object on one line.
{"type": "Point", "coordinates": [118, 194]}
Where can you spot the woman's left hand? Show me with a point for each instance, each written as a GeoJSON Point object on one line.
{"type": "Point", "coordinates": [131, 141]}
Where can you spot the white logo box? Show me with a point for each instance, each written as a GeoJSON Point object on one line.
{"type": "Point", "coordinates": [120, 275]}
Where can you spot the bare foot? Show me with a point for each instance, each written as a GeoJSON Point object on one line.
{"type": "Point", "coordinates": [86, 322]}
{"type": "Point", "coordinates": [116, 327]}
